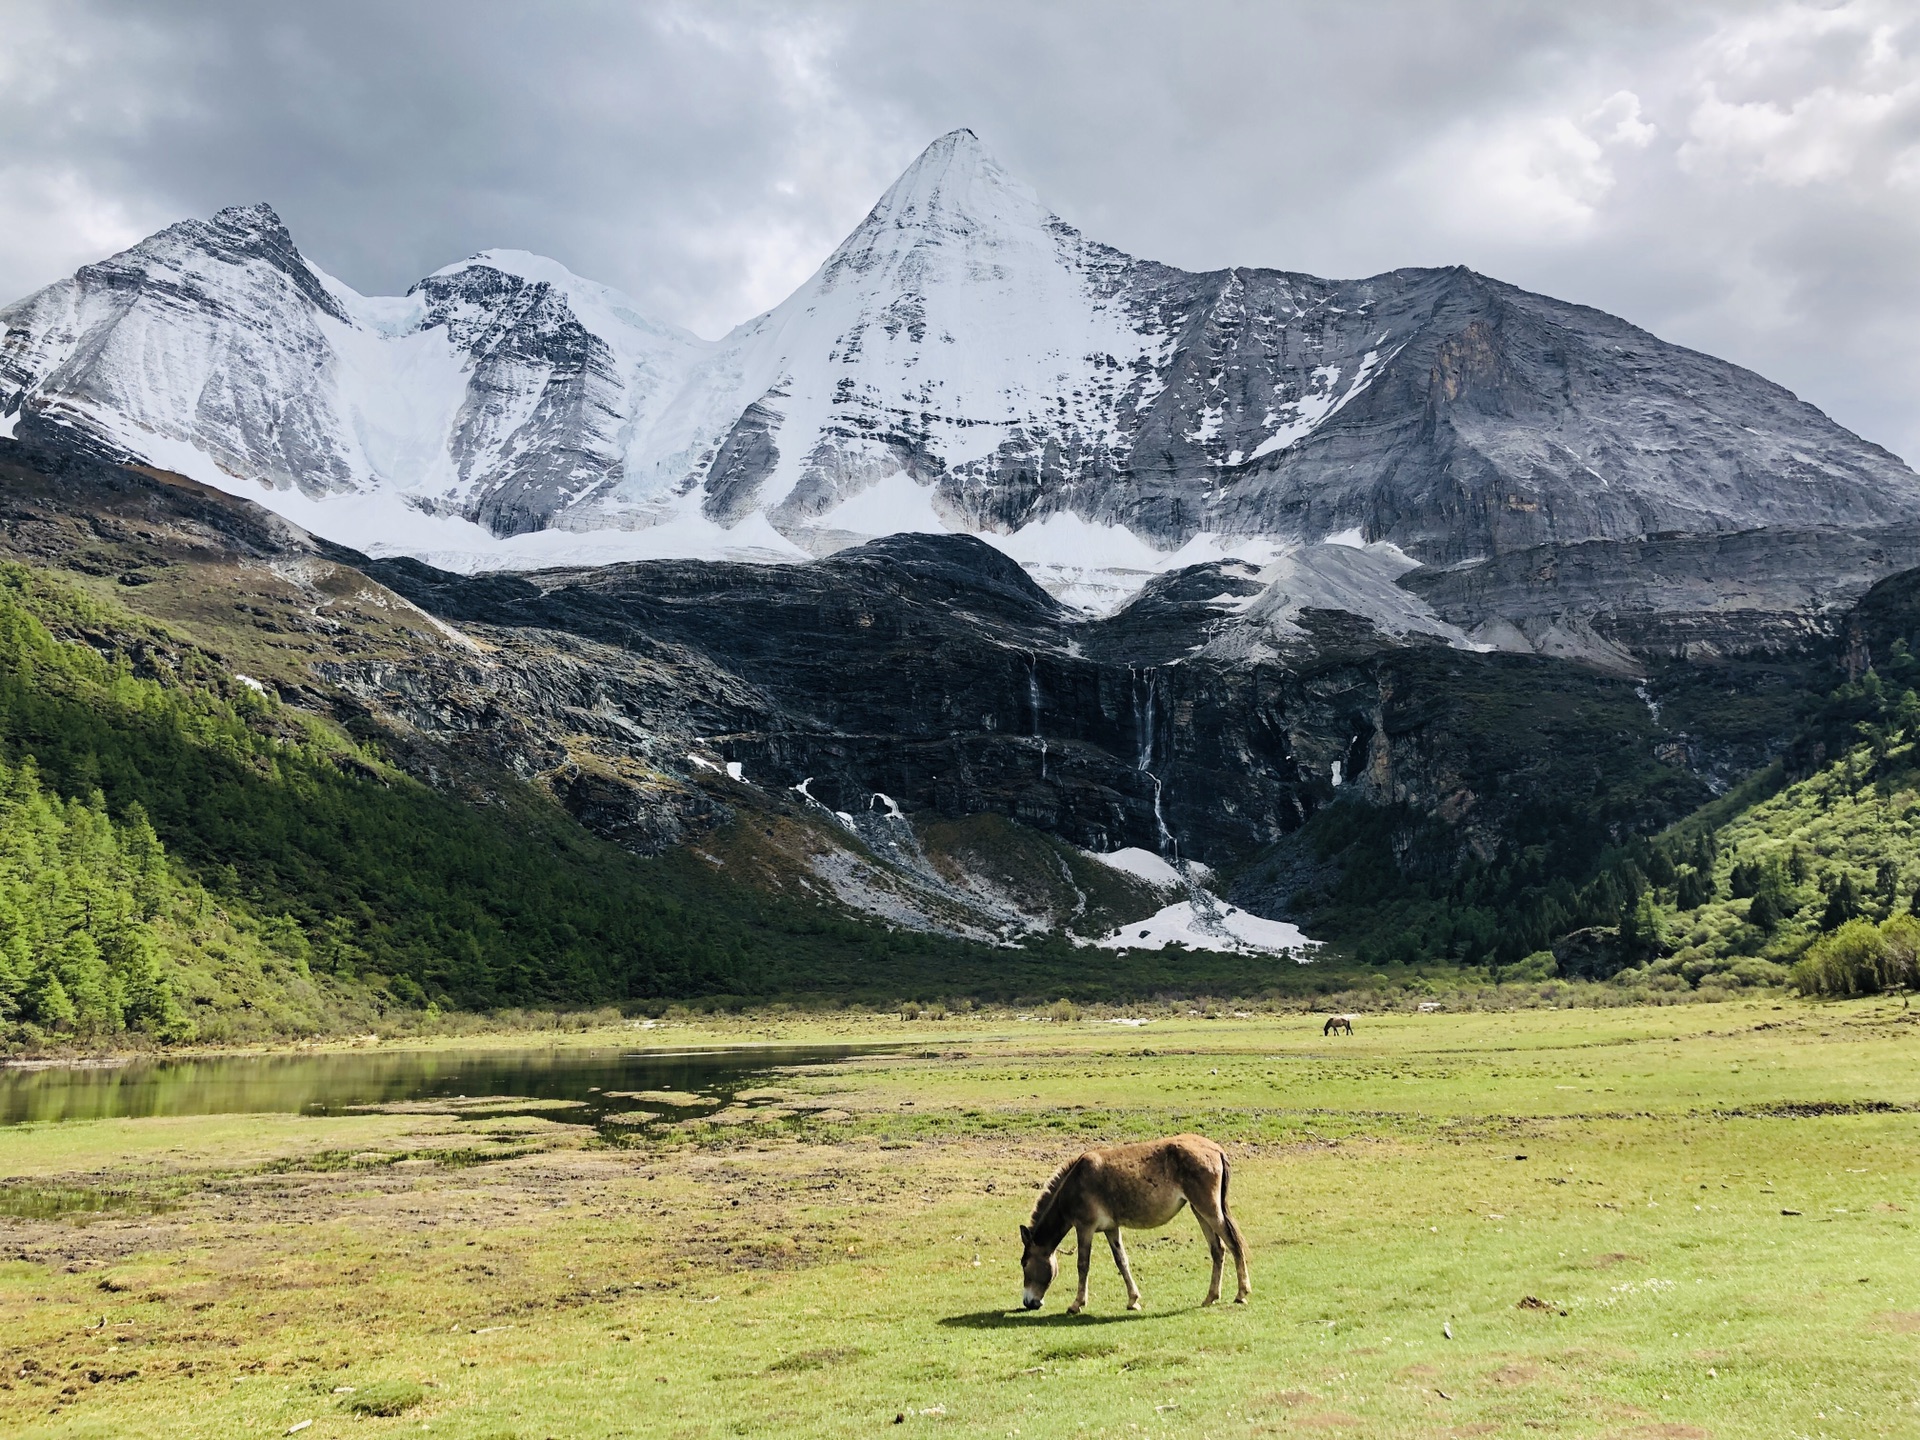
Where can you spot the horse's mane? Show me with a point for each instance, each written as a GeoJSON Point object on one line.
{"type": "Point", "coordinates": [1051, 1192]}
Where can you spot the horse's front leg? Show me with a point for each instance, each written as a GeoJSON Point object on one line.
{"type": "Point", "coordinates": [1086, 1265]}
{"type": "Point", "coordinates": [1126, 1270]}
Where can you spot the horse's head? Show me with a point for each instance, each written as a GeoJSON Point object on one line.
{"type": "Point", "coordinates": [1038, 1266]}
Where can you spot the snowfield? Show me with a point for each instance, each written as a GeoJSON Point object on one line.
{"type": "Point", "coordinates": [1225, 929]}
{"type": "Point", "coordinates": [1203, 921]}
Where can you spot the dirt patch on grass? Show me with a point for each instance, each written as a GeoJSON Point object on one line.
{"type": "Point", "coordinates": [1906, 1322]}
{"type": "Point", "coordinates": [1514, 1373]}
{"type": "Point", "coordinates": [1612, 1258]}
{"type": "Point", "coordinates": [1292, 1399]}
{"type": "Point", "coordinates": [1812, 1110]}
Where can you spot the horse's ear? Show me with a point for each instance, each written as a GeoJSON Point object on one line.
{"type": "Point", "coordinates": [1026, 1235]}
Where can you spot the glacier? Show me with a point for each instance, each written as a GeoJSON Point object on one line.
{"type": "Point", "coordinates": [964, 361]}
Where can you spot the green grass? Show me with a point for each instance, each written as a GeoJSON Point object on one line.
{"type": "Point", "coordinates": [804, 1263]}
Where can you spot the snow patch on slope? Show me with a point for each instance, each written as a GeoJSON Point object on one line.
{"type": "Point", "coordinates": [384, 525]}
{"type": "Point", "coordinates": [1098, 568]}
{"type": "Point", "coordinates": [1142, 864]}
{"type": "Point", "coordinates": [1293, 422]}
{"type": "Point", "coordinates": [1228, 930]}
{"type": "Point", "coordinates": [1341, 573]}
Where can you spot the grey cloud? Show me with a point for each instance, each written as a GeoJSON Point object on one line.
{"type": "Point", "coordinates": [1740, 178]}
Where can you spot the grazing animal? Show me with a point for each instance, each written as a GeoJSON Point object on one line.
{"type": "Point", "coordinates": [1338, 1022]}
{"type": "Point", "coordinates": [1141, 1186]}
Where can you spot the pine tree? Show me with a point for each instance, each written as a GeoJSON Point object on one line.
{"type": "Point", "coordinates": [1772, 901]}
{"type": "Point", "coordinates": [1703, 855]}
{"type": "Point", "coordinates": [1843, 904]}
{"type": "Point", "coordinates": [1693, 889]}
{"type": "Point", "coordinates": [1641, 934]}
{"type": "Point", "coordinates": [1659, 868]}
{"type": "Point", "coordinates": [1886, 889]}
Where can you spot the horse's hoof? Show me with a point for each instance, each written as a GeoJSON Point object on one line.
{"type": "Point", "coordinates": [1073, 1309]}
{"type": "Point", "coordinates": [1211, 1300]}
{"type": "Point", "coordinates": [1239, 1299]}
{"type": "Point", "coordinates": [1133, 1304]}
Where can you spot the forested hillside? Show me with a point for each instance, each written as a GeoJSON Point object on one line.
{"type": "Point", "coordinates": [82, 902]}
{"type": "Point", "coordinates": [1820, 873]}
{"type": "Point", "coordinates": [182, 855]}
{"type": "Point", "coordinates": [1806, 870]}
{"type": "Point", "coordinates": [1809, 871]}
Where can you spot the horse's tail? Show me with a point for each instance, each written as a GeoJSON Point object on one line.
{"type": "Point", "coordinates": [1233, 1230]}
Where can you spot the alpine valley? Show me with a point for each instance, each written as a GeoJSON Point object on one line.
{"type": "Point", "coordinates": [998, 614]}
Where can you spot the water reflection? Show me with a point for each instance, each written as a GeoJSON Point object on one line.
{"type": "Point", "coordinates": [584, 1086]}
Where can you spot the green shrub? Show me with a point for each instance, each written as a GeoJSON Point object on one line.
{"type": "Point", "coordinates": [1531, 969]}
{"type": "Point", "coordinates": [1861, 958]}
{"type": "Point", "coordinates": [1751, 970]}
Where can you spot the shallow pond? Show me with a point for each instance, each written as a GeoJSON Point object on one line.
{"type": "Point", "coordinates": [583, 1086]}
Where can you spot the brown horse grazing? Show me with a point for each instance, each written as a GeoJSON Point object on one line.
{"type": "Point", "coordinates": [1142, 1186]}
{"type": "Point", "coordinates": [1338, 1022]}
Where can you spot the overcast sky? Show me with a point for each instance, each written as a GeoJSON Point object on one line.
{"type": "Point", "coordinates": [1743, 178]}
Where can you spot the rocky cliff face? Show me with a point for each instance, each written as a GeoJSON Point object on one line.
{"type": "Point", "coordinates": [964, 361]}
{"type": "Point", "coordinates": [931, 673]}
{"type": "Point", "coordinates": [920, 677]}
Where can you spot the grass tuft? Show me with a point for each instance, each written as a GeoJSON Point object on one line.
{"type": "Point", "coordinates": [385, 1397]}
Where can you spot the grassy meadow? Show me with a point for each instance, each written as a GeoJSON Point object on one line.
{"type": "Point", "coordinates": [1690, 1221]}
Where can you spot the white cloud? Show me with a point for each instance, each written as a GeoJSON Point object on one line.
{"type": "Point", "coordinates": [59, 221]}
{"type": "Point", "coordinates": [1543, 175]}
{"type": "Point", "coordinates": [1617, 120]}
{"type": "Point", "coordinates": [1736, 175]}
{"type": "Point", "coordinates": [1801, 95]}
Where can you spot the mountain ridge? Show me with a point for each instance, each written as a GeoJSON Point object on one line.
{"type": "Point", "coordinates": [963, 361]}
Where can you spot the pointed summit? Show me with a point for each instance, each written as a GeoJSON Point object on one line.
{"type": "Point", "coordinates": [239, 235]}
{"type": "Point", "coordinates": [259, 218]}
{"type": "Point", "coordinates": [955, 191]}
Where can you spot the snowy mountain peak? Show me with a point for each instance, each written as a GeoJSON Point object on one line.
{"type": "Point", "coordinates": [258, 222]}
{"type": "Point", "coordinates": [239, 238]}
{"type": "Point", "coordinates": [955, 188]}
{"type": "Point", "coordinates": [601, 308]}
{"type": "Point", "coordinates": [962, 361]}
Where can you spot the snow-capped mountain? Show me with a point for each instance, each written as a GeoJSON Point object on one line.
{"type": "Point", "coordinates": [963, 361]}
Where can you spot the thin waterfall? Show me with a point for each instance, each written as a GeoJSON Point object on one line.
{"type": "Point", "coordinates": [1167, 842]}
{"type": "Point", "coordinates": [1143, 723]}
{"type": "Point", "coordinates": [1033, 709]}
